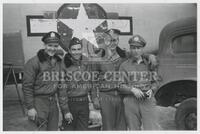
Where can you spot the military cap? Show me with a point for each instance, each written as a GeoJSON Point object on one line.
{"type": "Point", "coordinates": [137, 40]}
{"type": "Point", "coordinates": [113, 31]}
{"type": "Point", "coordinates": [51, 37]}
{"type": "Point", "coordinates": [74, 41]}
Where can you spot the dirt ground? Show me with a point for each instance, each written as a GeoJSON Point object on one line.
{"type": "Point", "coordinates": [13, 119]}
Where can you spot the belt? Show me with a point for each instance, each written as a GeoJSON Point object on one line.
{"type": "Point", "coordinates": [47, 96]}
{"type": "Point", "coordinates": [112, 91]}
{"type": "Point", "coordinates": [78, 98]}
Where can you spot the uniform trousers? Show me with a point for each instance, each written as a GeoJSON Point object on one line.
{"type": "Point", "coordinates": [112, 111]}
{"type": "Point", "coordinates": [79, 108]}
{"type": "Point", "coordinates": [47, 113]}
{"type": "Point", "coordinates": [140, 113]}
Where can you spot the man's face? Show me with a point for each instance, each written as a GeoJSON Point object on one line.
{"type": "Point", "coordinates": [51, 48]}
{"type": "Point", "coordinates": [76, 51]}
{"type": "Point", "coordinates": [136, 50]}
{"type": "Point", "coordinates": [114, 41]}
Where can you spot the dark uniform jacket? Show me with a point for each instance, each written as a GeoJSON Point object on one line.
{"type": "Point", "coordinates": [34, 82]}
{"type": "Point", "coordinates": [74, 86]}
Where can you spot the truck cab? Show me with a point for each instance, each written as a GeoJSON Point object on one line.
{"type": "Point", "coordinates": [178, 70]}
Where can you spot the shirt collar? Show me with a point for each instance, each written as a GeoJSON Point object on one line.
{"type": "Point", "coordinates": [76, 62]}
{"type": "Point", "coordinates": [140, 60]}
{"type": "Point", "coordinates": [137, 60]}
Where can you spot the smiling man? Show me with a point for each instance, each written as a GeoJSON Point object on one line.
{"type": "Point", "coordinates": [40, 95]}
{"type": "Point", "coordinates": [138, 89]}
{"type": "Point", "coordinates": [76, 111]}
{"type": "Point", "coordinates": [109, 100]}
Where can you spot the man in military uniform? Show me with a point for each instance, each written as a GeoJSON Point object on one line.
{"type": "Point", "coordinates": [76, 112]}
{"type": "Point", "coordinates": [109, 100]}
{"type": "Point", "coordinates": [39, 89]}
{"type": "Point", "coordinates": [139, 82]}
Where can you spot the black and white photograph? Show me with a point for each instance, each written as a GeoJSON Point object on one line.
{"type": "Point", "coordinates": [99, 66]}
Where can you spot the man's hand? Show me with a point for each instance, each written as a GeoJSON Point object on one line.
{"type": "Point", "coordinates": [32, 113]}
{"type": "Point", "coordinates": [153, 60]}
{"type": "Point", "coordinates": [95, 116]}
{"type": "Point", "coordinates": [69, 117]}
{"type": "Point", "coordinates": [96, 104]}
{"type": "Point", "coordinates": [149, 93]}
{"type": "Point", "coordinates": [137, 92]}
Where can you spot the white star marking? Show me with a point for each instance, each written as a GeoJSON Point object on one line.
{"type": "Point", "coordinates": [83, 26]}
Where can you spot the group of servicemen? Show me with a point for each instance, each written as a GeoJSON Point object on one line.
{"type": "Point", "coordinates": [128, 106]}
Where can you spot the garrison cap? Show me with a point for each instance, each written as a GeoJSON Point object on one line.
{"type": "Point", "coordinates": [137, 40]}
{"type": "Point", "coordinates": [51, 37]}
{"type": "Point", "coordinates": [74, 41]}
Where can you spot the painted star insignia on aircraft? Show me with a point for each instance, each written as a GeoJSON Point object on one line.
{"type": "Point", "coordinates": [83, 27]}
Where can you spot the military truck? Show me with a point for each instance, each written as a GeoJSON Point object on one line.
{"type": "Point", "coordinates": [177, 56]}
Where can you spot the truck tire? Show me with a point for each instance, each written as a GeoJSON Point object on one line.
{"type": "Point", "coordinates": [186, 115]}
